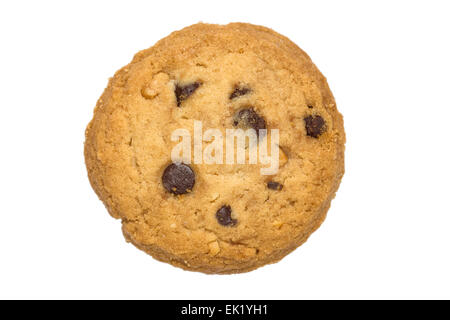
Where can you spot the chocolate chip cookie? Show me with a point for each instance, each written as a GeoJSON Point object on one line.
{"type": "Point", "coordinates": [206, 215]}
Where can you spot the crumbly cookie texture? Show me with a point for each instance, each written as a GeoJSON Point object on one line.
{"type": "Point", "coordinates": [208, 217]}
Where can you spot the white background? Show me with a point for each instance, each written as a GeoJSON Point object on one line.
{"type": "Point", "coordinates": [387, 234]}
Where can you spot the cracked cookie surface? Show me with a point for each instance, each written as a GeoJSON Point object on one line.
{"type": "Point", "coordinates": [209, 217]}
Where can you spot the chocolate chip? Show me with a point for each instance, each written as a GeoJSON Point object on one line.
{"type": "Point", "coordinates": [223, 216]}
{"type": "Point", "coordinates": [310, 107]}
{"type": "Point", "coordinates": [274, 185]}
{"type": "Point", "coordinates": [248, 118]}
{"type": "Point", "coordinates": [239, 90]}
{"type": "Point", "coordinates": [315, 125]}
{"type": "Point", "coordinates": [183, 92]}
{"type": "Point", "coordinates": [178, 178]}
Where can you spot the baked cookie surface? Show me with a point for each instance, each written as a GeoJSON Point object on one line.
{"type": "Point", "coordinates": [216, 218]}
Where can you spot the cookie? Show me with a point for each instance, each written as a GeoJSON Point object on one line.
{"type": "Point", "coordinates": [189, 208]}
